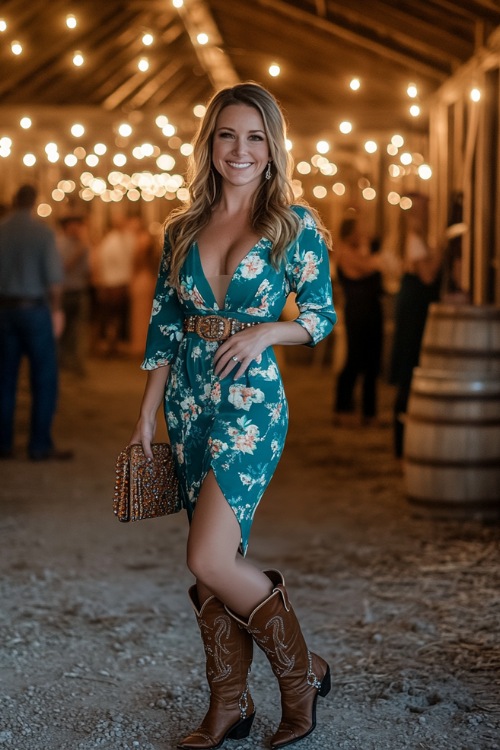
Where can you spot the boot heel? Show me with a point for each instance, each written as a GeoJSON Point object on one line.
{"type": "Point", "coordinates": [326, 684]}
{"type": "Point", "coordinates": [242, 728]}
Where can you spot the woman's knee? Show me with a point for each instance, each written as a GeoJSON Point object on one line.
{"type": "Point", "coordinates": [207, 567]}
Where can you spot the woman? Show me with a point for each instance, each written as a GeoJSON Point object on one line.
{"type": "Point", "coordinates": [231, 258]}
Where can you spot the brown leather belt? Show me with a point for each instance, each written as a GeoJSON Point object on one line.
{"type": "Point", "coordinates": [214, 327]}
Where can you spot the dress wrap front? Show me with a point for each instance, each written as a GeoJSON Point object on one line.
{"type": "Point", "coordinates": [238, 427]}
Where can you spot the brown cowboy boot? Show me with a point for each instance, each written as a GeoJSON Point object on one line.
{"type": "Point", "coordinates": [228, 651]}
{"type": "Point", "coordinates": [302, 675]}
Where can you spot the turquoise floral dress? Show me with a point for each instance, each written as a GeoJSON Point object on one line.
{"type": "Point", "coordinates": [237, 428]}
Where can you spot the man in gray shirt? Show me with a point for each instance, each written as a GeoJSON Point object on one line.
{"type": "Point", "coordinates": [31, 319]}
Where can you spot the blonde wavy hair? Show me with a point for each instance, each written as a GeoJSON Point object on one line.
{"type": "Point", "coordinates": [271, 213]}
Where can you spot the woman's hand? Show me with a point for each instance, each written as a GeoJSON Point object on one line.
{"type": "Point", "coordinates": [145, 427]}
{"type": "Point", "coordinates": [144, 433]}
{"type": "Point", "coordinates": [238, 351]}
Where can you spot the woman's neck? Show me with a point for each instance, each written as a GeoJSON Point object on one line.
{"type": "Point", "coordinates": [235, 202]}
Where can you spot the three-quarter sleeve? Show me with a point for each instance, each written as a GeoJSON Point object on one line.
{"type": "Point", "coordinates": [165, 327]}
{"type": "Point", "coordinates": [308, 273]}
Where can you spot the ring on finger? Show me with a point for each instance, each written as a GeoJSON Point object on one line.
{"type": "Point", "coordinates": [235, 358]}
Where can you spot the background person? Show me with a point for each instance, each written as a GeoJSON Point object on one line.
{"type": "Point", "coordinates": [358, 269]}
{"type": "Point", "coordinates": [31, 318]}
{"type": "Point", "coordinates": [114, 261]}
{"type": "Point", "coordinates": [420, 285]}
{"type": "Point", "coordinates": [231, 258]}
{"type": "Point", "coordinates": [74, 247]}
{"type": "Point", "coordinates": [142, 284]}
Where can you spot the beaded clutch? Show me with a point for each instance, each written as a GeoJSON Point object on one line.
{"type": "Point", "coordinates": [145, 489]}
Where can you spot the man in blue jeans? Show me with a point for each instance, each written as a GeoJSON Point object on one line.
{"type": "Point", "coordinates": [31, 318]}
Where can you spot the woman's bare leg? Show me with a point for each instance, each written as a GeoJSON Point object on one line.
{"type": "Point", "coordinates": [213, 556]}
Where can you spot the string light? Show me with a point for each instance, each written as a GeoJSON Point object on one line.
{"type": "Point", "coordinates": [370, 147]}
{"type": "Point", "coordinates": [177, 3]}
{"type": "Point", "coordinates": [143, 64]}
{"type": "Point", "coordinates": [414, 110]}
{"type": "Point", "coordinates": [397, 140]}
{"type": "Point", "coordinates": [303, 167]}
{"type": "Point", "coordinates": [412, 91]}
{"type": "Point", "coordinates": [475, 95]}
{"type": "Point", "coordinates": [345, 127]}
{"type": "Point", "coordinates": [202, 38]}
{"type": "Point", "coordinates": [369, 194]}
{"type": "Point", "coordinates": [319, 191]}
{"type": "Point", "coordinates": [16, 48]}
{"type": "Point", "coordinates": [406, 203]}
{"type": "Point", "coordinates": [70, 160]}
{"type": "Point", "coordinates": [3, 25]}
{"type": "Point", "coordinates": [77, 130]}
{"type": "Point", "coordinates": [288, 144]}
{"type": "Point", "coordinates": [161, 121]}
{"type": "Point", "coordinates": [393, 198]}
{"type": "Point", "coordinates": [274, 70]}
{"type": "Point", "coordinates": [78, 59]}
{"type": "Point", "coordinates": [186, 149]}
{"type": "Point", "coordinates": [125, 129]}
{"type": "Point", "coordinates": [322, 147]}
{"type": "Point", "coordinates": [71, 21]}
{"type": "Point", "coordinates": [29, 160]}
{"type": "Point", "coordinates": [148, 39]}
{"type": "Point", "coordinates": [100, 149]}
{"type": "Point", "coordinates": [424, 172]}
{"type": "Point", "coordinates": [25, 123]}
{"type": "Point", "coordinates": [338, 188]}
{"type": "Point", "coordinates": [355, 84]}
{"type": "Point", "coordinates": [119, 160]}
{"type": "Point", "coordinates": [199, 110]}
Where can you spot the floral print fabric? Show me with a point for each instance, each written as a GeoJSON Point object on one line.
{"type": "Point", "coordinates": [235, 427]}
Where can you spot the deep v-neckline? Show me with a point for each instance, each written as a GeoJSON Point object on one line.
{"type": "Point", "coordinates": [232, 275]}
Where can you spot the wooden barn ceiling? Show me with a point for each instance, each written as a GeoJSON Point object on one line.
{"type": "Point", "coordinates": [320, 46]}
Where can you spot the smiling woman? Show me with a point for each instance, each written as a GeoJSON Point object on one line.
{"type": "Point", "coordinates": [231, 258]}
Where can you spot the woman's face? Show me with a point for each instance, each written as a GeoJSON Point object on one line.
{"type": "Point", "coordinates": [240, 149]}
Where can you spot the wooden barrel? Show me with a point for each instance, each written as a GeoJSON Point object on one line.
{"type": "Point", "coordinates": [461, 337]}
{"type": "Point", "coordinates": [452, 444]}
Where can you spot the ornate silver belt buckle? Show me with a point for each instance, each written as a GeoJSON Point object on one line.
{"type": "Point", "coordinates": [213, 328]}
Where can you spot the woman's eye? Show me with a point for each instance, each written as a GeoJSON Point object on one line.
{"type": "Point", "coordinates": [256, 138]}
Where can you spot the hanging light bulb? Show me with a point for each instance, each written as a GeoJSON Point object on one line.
{"type": "Point", "coordinates": [78, 59]}
{"type": "Point", "coordinates": [71, 21]}
{"type": "Point", "coordinates": [16, 48]}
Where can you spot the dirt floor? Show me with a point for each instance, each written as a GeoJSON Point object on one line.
{"type": "Point", "coordinates": [99, 646]}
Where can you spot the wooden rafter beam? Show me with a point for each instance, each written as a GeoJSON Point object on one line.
{"type": "Point", "coordinates": [405, 29]}
{"type": "Point", "coordinates": [197, 19]}
{"type": "Point", "coordinates": [340, 32]}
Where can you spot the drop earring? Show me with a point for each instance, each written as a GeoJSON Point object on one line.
{"type": "Point", "coordinates": [268, 171]}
